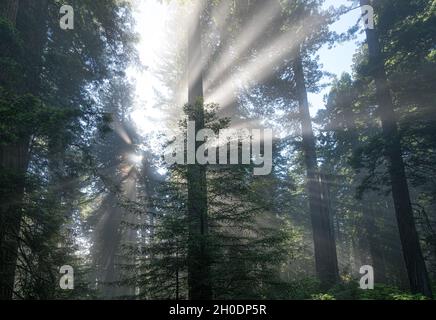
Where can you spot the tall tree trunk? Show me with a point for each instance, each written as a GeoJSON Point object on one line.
{"type": "Point", "coordinates": [198, 256]}
{"type": "Point", "coordinates": [375, 247]}
{"type": "Point", "coordinates": [323, 233]}
{"type": "Point", "coordinates": [415, 264]}
{"type": "Point", "coordinates": [13, 162]}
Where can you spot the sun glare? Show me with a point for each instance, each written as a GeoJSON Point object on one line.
{"type": "Point", "coordinates": [150, 19]}
{"type": "Point", "coordinates": [136, 158]}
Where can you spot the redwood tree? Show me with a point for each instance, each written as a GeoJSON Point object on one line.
{"type": "Point", "coordinates": [415, 264]}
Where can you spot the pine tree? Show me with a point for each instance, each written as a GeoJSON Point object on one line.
{"type": "Point", "coordinates": [415, 263]}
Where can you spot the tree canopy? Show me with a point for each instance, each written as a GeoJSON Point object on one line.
{"type": "Point", "coordinates": [86, 179]}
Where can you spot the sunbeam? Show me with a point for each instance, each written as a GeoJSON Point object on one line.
{"type": "Point", "coordinates": [263, 65]}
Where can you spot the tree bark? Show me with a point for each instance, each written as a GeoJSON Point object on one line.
{"type": "Point", "coordinates": [323, 234]}
{"type": "Point", "coordinates": [198, 256]}
{"type": "Point", "coordinates": [375, 247]}
{"type": "Point", "coordinates": [13, 163]}
{"type": "Point", "coordinates": [415, 264]}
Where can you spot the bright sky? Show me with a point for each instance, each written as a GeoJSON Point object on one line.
{"type": "Point", "coordinates": [340, 58]}
{"type": "Point", "coordinates": [151, 19]}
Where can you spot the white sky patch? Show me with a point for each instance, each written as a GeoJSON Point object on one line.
{"type": "Point", "coordinates": [151, 17]}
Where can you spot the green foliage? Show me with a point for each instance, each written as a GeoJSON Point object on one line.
{"type": "Point", "coordinates": [383, 292]}
{"type": "Point", "coordinates": [65, 101]}
{"type": "Point", "coordinates": [11, 54]}
{"type": "Point", "coordinates": [50, 82]}
{"type": "Point", "coordinates": [322, 297]}
{"type": "Point", "coordinates": [24, 115]}
{"type": "Point", "coordinates": [304, 288]}
{"type": "Point", "coordinates": [350, 291]}
{"type": "Point", "coordinates": [248, 246]}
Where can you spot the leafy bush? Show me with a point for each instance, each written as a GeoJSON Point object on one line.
{"type": "Point", "coordinates": [304, 289]}
{"type": "Point", "coordinates": [321, 296]}
{"type": "Point", "coordinates": [384, 292]}
{"type": "Point", "coordinates": [350, 291]}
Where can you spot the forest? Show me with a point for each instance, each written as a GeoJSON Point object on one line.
{"type": "Point", "coordinates": [201, 150]}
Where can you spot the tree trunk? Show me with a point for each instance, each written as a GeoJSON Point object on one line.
{"type": "Point", "coordinates": [323, 234]}
{"type": "Point", "coordinates": [375, 247]}
{"type": "Point", "coordinates": [415, 264]}
{"type": "Point", "coordinates": [13, 163]}
{"type": "Point", "coordinates": [198, 256]}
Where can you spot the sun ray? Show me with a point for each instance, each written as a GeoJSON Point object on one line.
{"type": "Point", "coordinates": [259, 69]}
